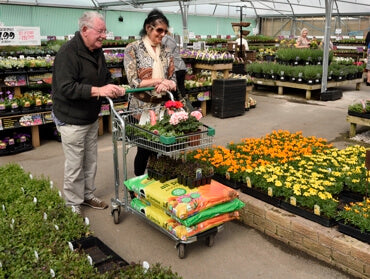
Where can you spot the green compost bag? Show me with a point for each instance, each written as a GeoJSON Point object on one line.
{"type": "Point", "coordinates": [216, 210]}
{"type": "Point", "coordinates": [135, 184]}
{"type": "Point", "coordinates": [213, 211]}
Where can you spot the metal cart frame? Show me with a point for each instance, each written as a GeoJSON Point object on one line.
{"type": "Point", "coordinates": [124, 121]}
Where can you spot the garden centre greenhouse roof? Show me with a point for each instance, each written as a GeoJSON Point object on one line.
{"type": "Point", "coordinates": [221, 8]}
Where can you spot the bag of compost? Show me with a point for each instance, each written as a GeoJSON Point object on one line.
{"type": "Point", "coordinates": [178, 199]}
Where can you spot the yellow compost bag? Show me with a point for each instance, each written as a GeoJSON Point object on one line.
{"type": "Point", "coordinates": [178, 199]}
{"type": "Point", "coordinates": [159, 217]}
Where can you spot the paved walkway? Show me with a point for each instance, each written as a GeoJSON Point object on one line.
{"type": "Point", "coordinates": [239, 251]}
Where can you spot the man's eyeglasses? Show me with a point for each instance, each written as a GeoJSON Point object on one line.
{"type": "Point", "coordinates": [160, 30]}
{"type": "Point", "coordinates": [101, 32]}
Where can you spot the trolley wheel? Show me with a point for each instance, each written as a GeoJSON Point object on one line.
{"type": "Point", "coordinates": [116, 213]}
{"type": "Point", "coordinates": [181, 250]}
{"type": "Point", "coordinates": [210, 240]}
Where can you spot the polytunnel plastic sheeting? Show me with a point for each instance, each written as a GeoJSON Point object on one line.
{"type": "Point", "coordinates": [222, 8]}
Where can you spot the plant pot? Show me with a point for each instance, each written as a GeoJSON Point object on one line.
{"type": "Point", "coordinates": [354, 232]}
{"type": "Point", "coordinates": [259, 194]}
{"type": "Point", "coordinates": [322, 220]}
{"type": "Point", "coordinates": [310, 81]}
{"type": "Point", "coordinates": [104, 259]}
{"type": "Point", "coordinates": [194, 140]}
{"type": "Point", "coordinates": [359, 114]}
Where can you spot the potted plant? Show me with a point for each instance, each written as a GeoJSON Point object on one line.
{"type": "Point", "coordinates": [162, 168]}
{"type": "Point", "coordinates": [354, 220]}
{"type": "Point", "coordinates": [360, 109]}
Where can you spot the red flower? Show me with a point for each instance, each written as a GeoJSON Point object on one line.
{"type": "Point", "coordinates": [173, 105]}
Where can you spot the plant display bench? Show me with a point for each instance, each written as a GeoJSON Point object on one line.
{"type": "Point", "coordinates": [32, 120]}
{"type": "Point", "coordinates": [309, 88]}
{"type": "Point", "coordinates": [225, 68]}
{"type": "Point", "coordinates": [354, 120]}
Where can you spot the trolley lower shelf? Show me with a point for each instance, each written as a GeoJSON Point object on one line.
{"type": "Point", "coordinates": [208, 235]}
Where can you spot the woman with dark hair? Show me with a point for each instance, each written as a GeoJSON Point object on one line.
{"type": "Point", "coordinates": [148, 64]}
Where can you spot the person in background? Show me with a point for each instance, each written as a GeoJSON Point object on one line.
{"type": "Point", "coordinates": [367, 44]}
{"type": "Point", "coordinates": [180, 68]}
{"type": "Point", "coordinates": [303, 41]}
{"type": "Point", "coordinates": [80, 81]}
{"type": "Point", "coordinates": [244, 42]}
{"type": "Point", "coordinates": [148, 64]}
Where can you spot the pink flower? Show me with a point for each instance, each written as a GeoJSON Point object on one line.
{"type": "Point", "coordinates": [177, 117]}
{"type": "Point", "coordinates": [197, 114]}
{"type": "Point", "coordinates": [156, 132]}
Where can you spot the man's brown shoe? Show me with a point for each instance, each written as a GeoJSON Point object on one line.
{"type": "Point", "coordinates": [95, 203]}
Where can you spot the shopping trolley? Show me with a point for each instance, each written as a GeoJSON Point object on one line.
{"type": "Point", "coordinates": [127, 131]}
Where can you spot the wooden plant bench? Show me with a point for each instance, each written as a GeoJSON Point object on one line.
{"type": "Point", "coordinates": [307, 87]}
{"type": "Point", "coordinates": [353, 121]}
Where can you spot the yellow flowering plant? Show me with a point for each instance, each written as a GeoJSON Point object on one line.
{"type": "Point", "coordinates": [306, 168]}
{"type": "Point", "coordinates": [357, 214]}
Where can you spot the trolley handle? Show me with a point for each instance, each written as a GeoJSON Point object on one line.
{"type": "Point", "coordinates": [139, 89]}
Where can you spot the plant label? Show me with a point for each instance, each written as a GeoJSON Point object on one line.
{"type": "Point", "coordinates": [293, 201]}
{"type": "Point", "coordinates": [89, 259]}
{"type": "Point", "coordinates": [198, 174]}
{"type": "Point", "coordinates": [227, 175]}
{"type": "Point", "coordinates": [248, 182]}
{"type": "Point", "coordinates": [269, 191]}
{"type": "Point", "coordinates": [70, 245]}
{"type": "Point", "coordinates": [316, 210]}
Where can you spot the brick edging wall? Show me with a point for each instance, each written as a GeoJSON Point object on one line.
{"type": "Point", "coordinates": [323, 243]}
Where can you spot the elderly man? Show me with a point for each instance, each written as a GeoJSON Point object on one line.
{"type": "Point", "coordinates": [80, 80]}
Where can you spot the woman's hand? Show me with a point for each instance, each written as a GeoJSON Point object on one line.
{"type": "Point", "coordinates": [165, 85]}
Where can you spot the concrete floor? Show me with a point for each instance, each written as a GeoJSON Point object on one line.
{"type": "Point", "coordinates": [239, 251]}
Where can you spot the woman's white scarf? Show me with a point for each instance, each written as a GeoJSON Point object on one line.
{"type": "Point", "coordinates": [157, 64]}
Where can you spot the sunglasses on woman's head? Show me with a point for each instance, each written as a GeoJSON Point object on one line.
{"type": "Point", "coordinates": [160, 30]}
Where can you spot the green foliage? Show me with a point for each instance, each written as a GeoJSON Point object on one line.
{"type": "Point", "coordinates": [261, 38]}
{"type": "Point", "coordinates": [287, 55]}
{"type": "Point", "coordinates": [35, 228]}
{"type": "Point", "coordinates": [254, 68]}
{"type": "Point", "coordinates": [360, 107]}
{"type": "Point", "coordinates": [312, 72]}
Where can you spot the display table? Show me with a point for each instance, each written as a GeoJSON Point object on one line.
{"type": "Point", "coordinates": [354, 120]}
{"type": "Point", "coordinates": [304, 86]}
{"type": "Point", "coordinates": [225, 68]}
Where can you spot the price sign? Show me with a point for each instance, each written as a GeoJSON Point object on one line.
{"type": "Point", "coordinates": [19, 35]}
